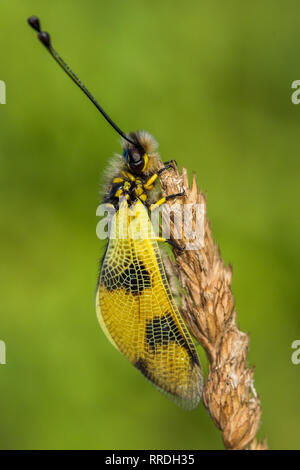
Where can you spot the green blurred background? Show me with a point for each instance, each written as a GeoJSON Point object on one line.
{"type": "Point", "coordinates": [212, 82]}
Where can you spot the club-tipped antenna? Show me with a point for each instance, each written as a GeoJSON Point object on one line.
{"type": "Point", "coordinates": [44, 37]}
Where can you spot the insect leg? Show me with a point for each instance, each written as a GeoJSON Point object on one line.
{"type": "Point", "coordinates": [169, 164]}
{"type": "Point", "coordinates": [164, 199]}
{"type": "Point", "coordinates": [172, 196]}
{"type": "Point", "coordinates": [170, 242]}
{"type": "Point", "coordinates": [149, 184]}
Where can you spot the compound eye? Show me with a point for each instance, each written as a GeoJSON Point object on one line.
{"type": "Point", "coordinates": [125, 155]}
{"type": "Point", "coordinates": [136, 158]}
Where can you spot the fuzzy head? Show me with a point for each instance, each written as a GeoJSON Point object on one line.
{"type": "Point", "coordinates": [139, 155]}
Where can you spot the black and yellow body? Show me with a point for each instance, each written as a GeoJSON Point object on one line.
{"type": "Point", "coordinates": [134, 303]}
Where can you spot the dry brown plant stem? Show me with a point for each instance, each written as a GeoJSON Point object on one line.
{"type": "Point", "coordinates": [208, 310]}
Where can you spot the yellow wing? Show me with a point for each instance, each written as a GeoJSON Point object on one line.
{"type": "Point", "coordinates": [138, 314]}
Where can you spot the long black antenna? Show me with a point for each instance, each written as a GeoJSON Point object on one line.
{"type": "Point", "coordinates": [44, 37]}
